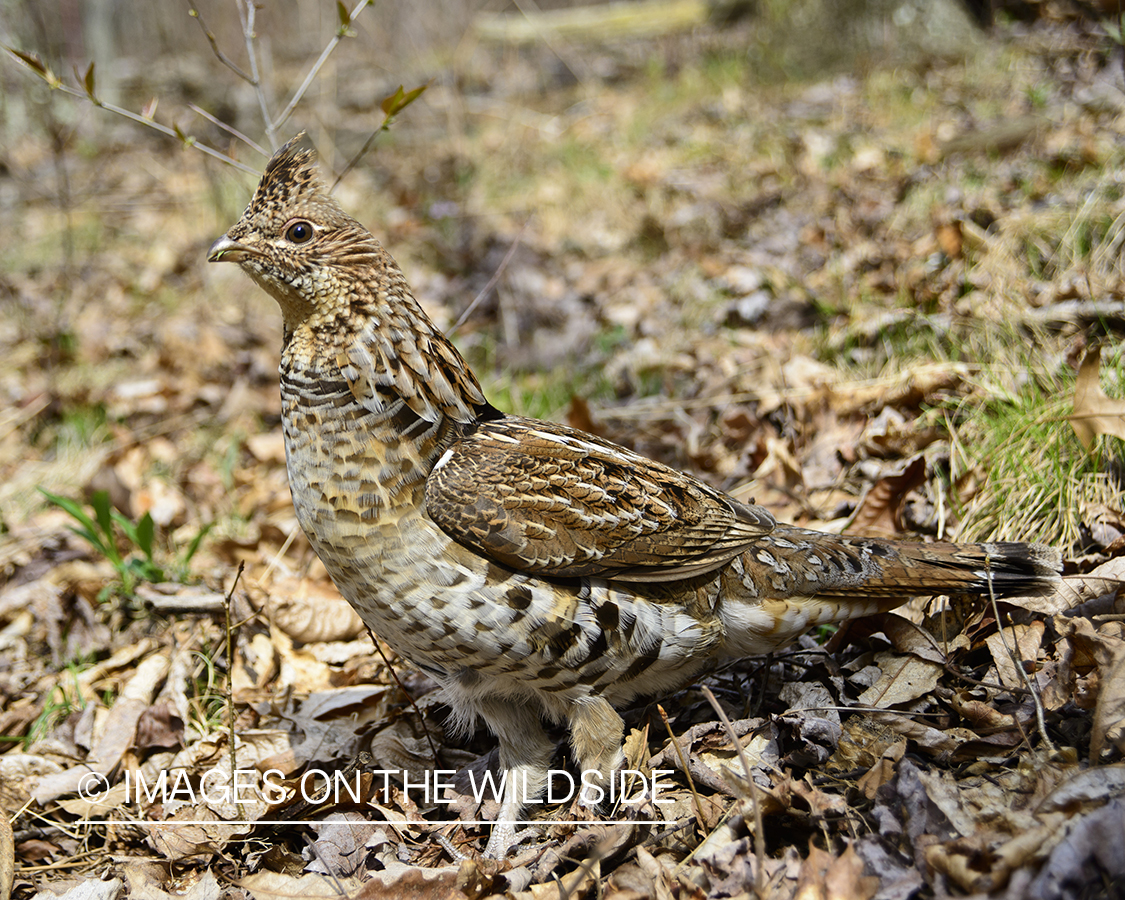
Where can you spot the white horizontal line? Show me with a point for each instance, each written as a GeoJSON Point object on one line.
{"type": "Point", "coordinates": [541, 822]}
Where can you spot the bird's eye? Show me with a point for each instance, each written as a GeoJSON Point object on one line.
{"type": "Point", "coordinates": [299, 232]}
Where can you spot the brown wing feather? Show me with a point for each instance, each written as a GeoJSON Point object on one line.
{"type": "Point", "coordinates": [550, 500]}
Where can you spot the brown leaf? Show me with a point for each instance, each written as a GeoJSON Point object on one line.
{"type": "Point", "coordinates": [827, 877]}
{"type": "Point", "coordinates": [928, 738]}
{"type": "Point", "coordinates": [115, 734]}
{"type": "Point", "coordinates": [1085, 788]}
{"type": "Point", "coordinates": [341, 839]}
{"type": "Point", "coordinates": [1092, 844]}
{"type": "Point", "coordinates": [159, 726]}
{"type": "Point", "coordinates": [1024, 641]}
{"type": "Point", "coordinates": [1094, 412]}
{"type": "Point", "coordinates": [904, 678]}
{"type": "Point", "coordinates": [309, 610]}
{"type": "Point", "coordinates": [264, 885]}
{"type": "Point", "coordinates": [905, 636]}
{"type": "Point", "coordinates": [949, 238]}
{"type": "Point", "coordinates": [878, 514]}
{"type": "Point", "coordinates": [883, 770]}
{"type": "Point", "coordinates": [1109, 714]}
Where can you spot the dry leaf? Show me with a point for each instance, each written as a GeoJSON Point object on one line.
{"type": "Point", "coordinates": [904, 678]}
{"type": "Point", "coordinates": [878, 514]}
{"type": "Point", "coordinates": [1024, 641]}
{"type": "Point", "coordinates": [115, 736]}
{"type": "Point", "coordinates": [1109, 714]}
{"type": "Point", "coordinates": [825, 877]}
{"type": "Point", "coordinates": [309, 610]}
{"type": "Point", "coordinates": [266, 885]}
{"type": "Point", "coordinates": [883, 770]}
{"type": "Point", "coordinates": [1094, 412]}
{"type": "Point", "coordinates": [1087, 787]}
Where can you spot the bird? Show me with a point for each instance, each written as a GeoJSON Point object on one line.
{"type": "Point", "coordinates": [538, 573]}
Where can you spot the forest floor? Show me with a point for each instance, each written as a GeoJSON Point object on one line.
{"type": "Point", "coordinates": [887, 302]}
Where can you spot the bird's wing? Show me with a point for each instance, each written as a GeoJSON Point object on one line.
{"type": "Point", "coordinates": [550, 500]}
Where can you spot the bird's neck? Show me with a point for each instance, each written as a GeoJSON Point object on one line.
{"type": "Point", "coordinates": [396, 383]}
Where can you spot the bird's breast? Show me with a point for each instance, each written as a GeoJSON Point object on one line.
{"type": "Point", "coordinates": [358, 476]}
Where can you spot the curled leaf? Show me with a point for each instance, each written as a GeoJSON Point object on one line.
{"type": "Point", "coordinates": [1094, 412]}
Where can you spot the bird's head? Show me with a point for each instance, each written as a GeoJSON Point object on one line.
{"type": "Point", "coordinates": [295, 241]}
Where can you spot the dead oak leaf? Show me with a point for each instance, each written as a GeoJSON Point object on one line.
{"type": "Point", "coordinates": [826, 877]}
{"type": "Point", "coordinates": [1109, 714]}
{"type": "Point", "coordinates": [1094, 412]}
{"type": "Point", "coordinates": [879, 513]}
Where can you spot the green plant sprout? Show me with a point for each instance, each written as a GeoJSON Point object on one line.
{"type": "Point", "coordinates": [100, 532]}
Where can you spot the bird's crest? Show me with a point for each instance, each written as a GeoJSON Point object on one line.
{"type": "Point", "coordinates": [291, 179]}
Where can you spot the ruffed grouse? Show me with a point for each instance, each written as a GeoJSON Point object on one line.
{"type": "Point", "coordinates": [537, 572]}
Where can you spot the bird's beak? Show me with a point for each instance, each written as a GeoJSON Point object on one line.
{"type": "Point", "coordinates": [226, 250]}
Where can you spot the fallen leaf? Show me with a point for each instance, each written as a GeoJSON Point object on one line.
{"type": "Point", "coordinates": [1094, 412]}
{"type": "Point", "coordinates": [1109, 714]}
{"type": "Point", "coordinates": [824, 877]}
{"type": "Point", "coordinates": [115, 735]}
{"type": "Point", "coordinates": [1091, 845]}
{"type": "Point", "coordinates": [1087, 787]}
{"type": "Point", "coordinates": [1024, 641]}
{"type": "Point", "coordinates": [878, 514]}
{"type": "Point", "coordinates": [904, 678]}
{"type": "Point", "coordinates": [883, 770]}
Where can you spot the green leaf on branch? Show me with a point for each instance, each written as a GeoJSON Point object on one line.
{"type": "Point", "coordinates": [36, 65]}
{"type": "Point", "coordinates": [88, 83]}
{"type": "Point", "coordinates": [345, 29]}
{"type": "Point", "coordinates": [400, 99]}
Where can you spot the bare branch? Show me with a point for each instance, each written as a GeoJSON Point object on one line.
{"type": "Point", "coordinates": [223, 58]}
{"type": "Point", "coordinates": [247, 10]}
{"type": "Point", "coordinates": [391, 106]}
{"type": "Point", "coordinates": [229, 129]}
{"type": "Point", "coordinates": [342, 32]}
{"type": "Point", "coordinates": [491, 281]}
{"type": "Point", "coordinates": [36, 66]}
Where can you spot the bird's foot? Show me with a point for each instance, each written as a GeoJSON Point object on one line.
{"type": "Point", "coordinates": [505, 838]}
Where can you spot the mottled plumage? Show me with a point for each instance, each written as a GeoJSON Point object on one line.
{"type": "Point", "coordinates": [535, 571]}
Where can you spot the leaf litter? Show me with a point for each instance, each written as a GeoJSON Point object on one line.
{"type": "Point", "coordinates": [774, 318]}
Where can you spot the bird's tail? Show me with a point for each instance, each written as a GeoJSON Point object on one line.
{"type": "Point", "coordinates": [807, 578]}
{"type": "Point", "coordinates": [829, 565]}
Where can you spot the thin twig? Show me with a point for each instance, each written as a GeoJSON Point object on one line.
{"type": "Point", "coordinates": [223, 58]}
{"type": "Point", "coordinates": [564, 894]}
{"type": "Point", "coordinates": [340, 34]}
{"type": "Point", "coordinates": [755, 802]}
{"type": "Point", "coordinates": [7, 856]}
{"type": "Point", "coordinates": [491, 282]}
{"type": "Point", "coordinates": [362, 152]}
{"type": "Point", "coordinates": [186, 140]}
{"type": "Point", "coordinates": [1032, 687]}
{"type": "Point", "coordinates": [683, 762]}
{"type": "Point", "coordinates": [555, 42]}
{"type": "Point", "coordinates": [229, 129]}
{"type": "Point", "coordinates": [247, 10]}
{"type": "Point", "coordinates": [409, 696]}
{"type": "Point", "coordinates": [230, 679]}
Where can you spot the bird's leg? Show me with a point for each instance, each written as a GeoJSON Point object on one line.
{"type": "Point", "coordinates": [596, 733]}
{"type": "Point", "coordinates": [525, 754]}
